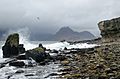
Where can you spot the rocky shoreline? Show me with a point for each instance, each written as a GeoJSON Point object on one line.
{"type": "Point", "coordinates": [99, 62]}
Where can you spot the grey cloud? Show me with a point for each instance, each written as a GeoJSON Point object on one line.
{"type": "Point", "coordinates": [80, 15]}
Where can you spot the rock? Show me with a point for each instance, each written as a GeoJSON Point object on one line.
{"type": "Point", "coordinates": [41, 46]}
{"type": "Point", "coordinates": [17, 63]}
{"type": "Point", "coordinates": [114, 67]}
{"type": "Point", "coordinates": [11, 46]}
{"type": "Point", "coordinates": [19, 71]}
{"type": "Point", "coordinates": [54, 51]}
{"type": "Point", "coordinates": [29, 74]}
{"type": "Point", "coordinates": [72, 76]}
{"type": "Point", "coordinates": [60, 57]}
{"type": "Point", "coordinates": [100, 66]}
{"type": "Point", "coordinates": [110, 30]}
{"type": "Point", "coordinates": [21, 48]}
{"type": "Point", "coordinates": [52, 74]}
{"type": "Point", "coordinates": [65, 62]}
{"type": "Point", "coordinates": [21, 57]}
{"type": "Point", "coordinates": [38, 54]}
{"type": "Point", "coordinates": [65, 48]}
{"type": "Point", "coordinates": [108, 70]}
{"type": "Point", "coordinates": [2, 65]}
{"type": "Point", "coordinates": [65, 69]}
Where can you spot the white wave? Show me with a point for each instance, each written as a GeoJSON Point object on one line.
{"type": "Point", "coordinates": [24, 38]}
{"type": "Point", "coordinates": [1, 54]}
{"type": "Point", "coordinates": [62, 45]}
{"type": "Point", "coordinates": [6, 71]}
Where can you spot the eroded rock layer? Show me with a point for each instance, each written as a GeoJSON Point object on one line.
{"type": "Point", "coordinates": [110, 30]}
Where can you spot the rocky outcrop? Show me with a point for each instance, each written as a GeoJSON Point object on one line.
{"type": "Point", "coordinates": [110, 30]}
{"type": "Point", "coordinates": [38, 54]}
{"type": "Point", "coordinates": [11, 46]}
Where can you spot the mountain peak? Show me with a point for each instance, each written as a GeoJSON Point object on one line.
{"type": "Point", "coordinates": [66, 33]}
{"type": "Point", "coordinates": [65, 30]}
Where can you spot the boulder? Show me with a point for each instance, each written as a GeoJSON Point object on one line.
{"type": "Point", "coordinates": [19, 71]}
{"type": "Point", "coordinates": [11, 46]}
{"type": "Point", "coordinates": [38, 54]}
{"type": "Point", "coordinates": [17, 63]}
{"type": "Point", "coordinates": [110, 30]}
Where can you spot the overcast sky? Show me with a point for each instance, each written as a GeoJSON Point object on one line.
{"type": "Point", "coordinates": [47, 16]}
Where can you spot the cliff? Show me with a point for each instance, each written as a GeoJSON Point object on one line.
{"type": "Point", "coordinates": [110, 30]}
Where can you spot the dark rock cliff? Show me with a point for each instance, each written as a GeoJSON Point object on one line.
{"type": "Point", "coordinates": [11, 46]}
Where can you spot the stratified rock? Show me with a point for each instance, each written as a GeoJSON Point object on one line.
{"type": "Point", "coordinates": [38, 54]}
{"type": "Point", "coordinates": [11, 46]}
{"type": "Point", "coordinates": [110, 30]}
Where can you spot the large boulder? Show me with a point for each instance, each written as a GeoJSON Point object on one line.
{"type": "Point", "coordinates": [38, 54]}
{"type": "Point", "coordinates": [110, 30]}
{"type": "Point", "coordinates": [11, 46]}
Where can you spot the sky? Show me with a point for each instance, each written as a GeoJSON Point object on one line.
{"type": "Point", "coordinates": [48, 16]}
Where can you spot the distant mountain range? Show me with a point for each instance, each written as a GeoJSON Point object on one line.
{"type": "Point", "coordinates": [65, 33]}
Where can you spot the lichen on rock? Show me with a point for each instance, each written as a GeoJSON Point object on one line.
{"type": "Point", "coordinates": [11, 46]}
{"type": "Point", "coordinates": [13, 40]}
{"type": "Point", "coordinates": [38, 54]}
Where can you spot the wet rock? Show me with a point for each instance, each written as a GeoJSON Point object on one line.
{"type": "Point", "coordinates": [100, 66]}
{"type": "Point", "coordinates": [54, 51]}
{"type": "Point", "coordinates": [60, 57]}
{"type": "Point", "coordinates": [38, 54]}
{"type": "Point", "coordinates": [52, 74]}
{"type": "Point", "coordinates": [11, 46]}
{"type": "Point", "coordinates": [114, 67]}
{"type": "Point", "coordinates": [17, 63]}
{"type": "Point", "coordinates": [65, 62]}
{"type": "Point", "coordinates": [29, 75]}
{"type": "Point", "coordinates": [72, 76]}
{"type": "Point", "coordinates": [21, 48]}
{"type": "Point", "coordinates": [108, 70]}
{"type": "Point", "coordinates": [65, 48]}
{"type": "Point", "coordinates": [2, 65]}
{"type": "Point", "coordinates": [41, 46]}
{"type": "Point", "coordinates": [21, 57]}
{"type": "Point", "coordinates": [66, 70]}
{"type": "Point", "coordinates": [44, 62]}
{"type": "Point", "coordinates": [19, 71]}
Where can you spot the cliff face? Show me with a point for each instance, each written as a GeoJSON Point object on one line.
{"type": "Point", "coordinates": [110, 30]}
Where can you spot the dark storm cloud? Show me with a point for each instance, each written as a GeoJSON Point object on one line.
{"type": "Point", "coordinates": [48, 16]}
